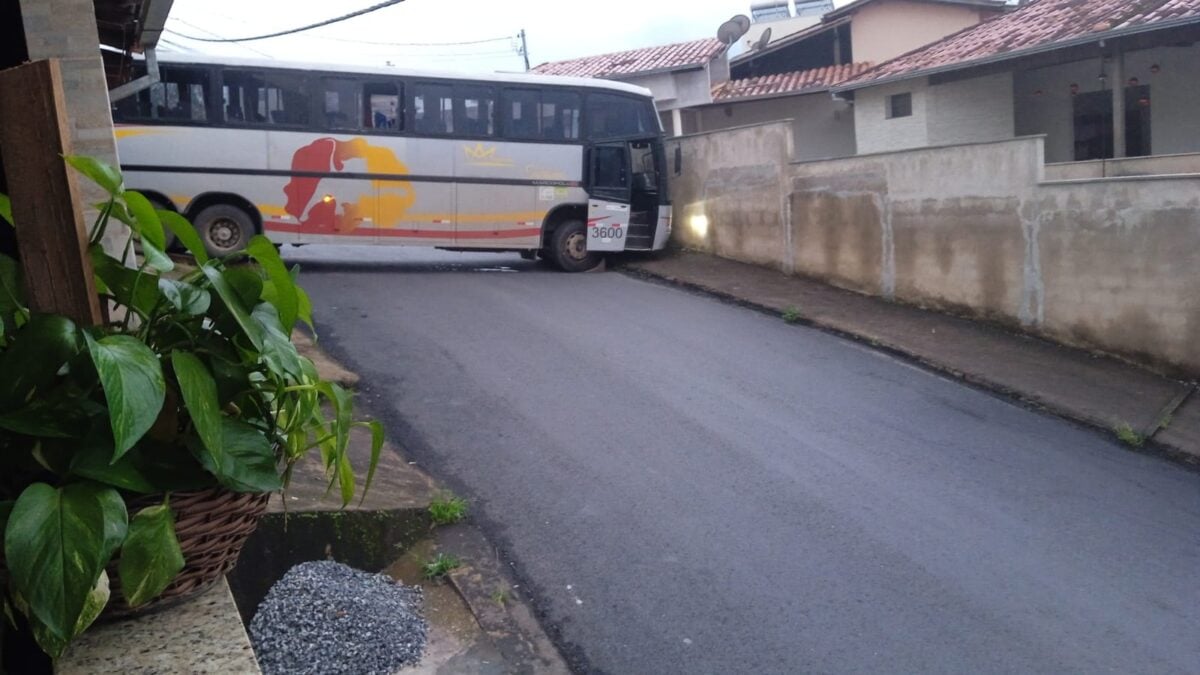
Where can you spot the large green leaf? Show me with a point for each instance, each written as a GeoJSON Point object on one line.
{"type": "Point", "coordinates": [199, 391]}
{"type": "Point", "coordinates": [12, 296]}
{"type": "Point", "coordinates": [6, 209]}
{"type": "Point", "coordinates": [134, 387]}
{"type": "Point", "coordinates": [278, 351]}
{"type": "Point", "coordinates": [53, 645]}
{"type": "Point", "coordinates": [376, 450]}
{"type": "Point", "coordinates": [187, 298]}
{"type": "Point", "coordinates": [131, 289]}
{"type": "Point", "coordinates": [285, 298]}
{"type": "Point", "coordinates": [185, 233]}
{"type": "Point", "coordinates": [248, 463]}
{"type": "Point", "coordinates": [150, 558]}
{"type": "Point", "coordinates": [56, 545]}
{"type": "Point", "coordinates": [233, 303]}
{"type": "Point", "coordinates": [38, 351]}
{"type": "Point", "coordinates": [146, 221]}
{"type": "Point", "coordinates": [156, 258]}
{"type": "Point", "coordinates": [103, 174]}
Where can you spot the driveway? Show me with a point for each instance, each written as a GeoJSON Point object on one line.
{"type": "Point", "coordinates": [687, 486]}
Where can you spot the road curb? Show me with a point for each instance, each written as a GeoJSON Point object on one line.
{"type": "Point", "coordinates": [1152, 446]}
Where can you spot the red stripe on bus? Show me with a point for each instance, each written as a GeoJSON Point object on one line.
{"type": "Point", "coordinates": [414, 234]}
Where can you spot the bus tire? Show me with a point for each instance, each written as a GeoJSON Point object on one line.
{"type": "Point", "coordinates": [568, 248]}
{"type": "Point", "coordinates": [224, 229]}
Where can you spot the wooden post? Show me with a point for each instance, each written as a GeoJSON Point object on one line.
{"type": "Point", "coordinates": [51, 234]}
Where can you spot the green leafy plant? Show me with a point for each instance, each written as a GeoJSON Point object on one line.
{"type": "Point", "coordinates": [1128, 436]}
{"type": "Point", "coordinates": [440, 566]}
{"type": "Point", "coordinates": [447, 509]}
{"type": "Point", "coordinates": [791, 315]}
{"type": "Point", "coordinates": [192, 383]}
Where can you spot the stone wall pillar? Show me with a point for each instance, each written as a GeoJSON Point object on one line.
{"type": "Point", "coordinates": [66, 30]}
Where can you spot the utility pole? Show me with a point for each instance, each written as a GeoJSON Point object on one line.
{"type": "Point", "coordinates": [524, 50]}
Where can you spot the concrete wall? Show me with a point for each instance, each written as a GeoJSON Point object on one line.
{"type": "Point", "coordinates": [1044, 103]}
{"type": "Point", "coordinates": [885, 30]}
{"type": "Point", "coordinates": [822, 128]}
{"type": "Point", "coordinates": [1106, 264]}
{"type": "Point", "coordinates": [1158, 165]}
{"type": "Point", "coordinates": [963, 111]}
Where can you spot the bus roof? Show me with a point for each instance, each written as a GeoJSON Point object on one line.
{"type": "Point", "coordinates": [507, 78]}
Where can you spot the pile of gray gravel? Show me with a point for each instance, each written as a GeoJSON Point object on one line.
{"type": "Point", "coordinates": [324, 617]}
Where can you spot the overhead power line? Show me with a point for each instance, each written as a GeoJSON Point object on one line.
{"type": "Point", "coordinates": [300, 29]}
{"type": "Point", "coordinates": [414, 44]}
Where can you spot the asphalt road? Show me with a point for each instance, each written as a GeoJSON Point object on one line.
{"type": "Point", "coordinates": [693, 487]}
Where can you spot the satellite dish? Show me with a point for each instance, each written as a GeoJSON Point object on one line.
{"type": "Point", "coordinates": [764, 40]}
{"type": "Point", "coordinates": [743, 21]}
{"type": "Point", "coordinates": [730, 31]}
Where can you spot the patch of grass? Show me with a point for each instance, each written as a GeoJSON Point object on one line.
{"type": "Point", "coordinates": [447, 509]}
{"type": "Point", "coordinates": [1128, 436]}
{"type": "Point", "coordinates": [1165, 422]}
{"type": "Point", "coordinates": [439, 567]}
{"type": "Point", "coordinates": [791, 315]}
{"type": "Point", "coordinates": [500, 596]}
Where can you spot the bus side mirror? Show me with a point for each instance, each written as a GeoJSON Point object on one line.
{"type": "Point", "coordinates": [678, 160]}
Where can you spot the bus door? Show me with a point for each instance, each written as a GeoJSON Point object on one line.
{"type": "Point", "coordinates": [609, 197]}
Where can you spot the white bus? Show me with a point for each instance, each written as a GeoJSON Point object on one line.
{"type": "Point", "coordinates": [566, 168]}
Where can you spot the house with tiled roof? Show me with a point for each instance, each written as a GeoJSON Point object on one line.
{"type": "Point", "coordinates": [680, 75]}
{"type": "Point", "coordinates": [1099, 79]}
{"type": "Point", "coordinates": [790, 76]}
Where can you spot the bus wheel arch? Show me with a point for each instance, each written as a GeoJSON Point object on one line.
{"type": "Point", "coordinates": [225, 222]}
{"type": "Point", "coordinates": [557, 216]}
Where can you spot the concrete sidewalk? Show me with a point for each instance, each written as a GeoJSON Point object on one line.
{"type": "Point", "coordinates": [1094, 389]}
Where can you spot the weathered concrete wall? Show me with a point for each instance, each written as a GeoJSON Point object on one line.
{"type": "Point", "coordinates": [735, 178]}
{"type": "Point", "coordinates": [976, 229]}
{"type": "Point", "coordinates": [1129, 166]}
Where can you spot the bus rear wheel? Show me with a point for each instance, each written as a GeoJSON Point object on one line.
{"type": "Point", "coordinates": [568, 248]}
{"type": "Point", "coordinates": [224, 229]}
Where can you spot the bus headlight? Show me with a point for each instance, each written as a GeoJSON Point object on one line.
{"type": "Point", "coordinates": [699, 225]}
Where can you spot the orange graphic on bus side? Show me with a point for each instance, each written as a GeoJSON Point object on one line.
{"type": "Point", "coordinates": [385, 206]}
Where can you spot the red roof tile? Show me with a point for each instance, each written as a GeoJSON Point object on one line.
{"type": "Point", "coordinates": [797, 82]}
{"type": "Point", "coordinates": [667, 57]}
{"type": "Point", "coordinates": [1036, 24]}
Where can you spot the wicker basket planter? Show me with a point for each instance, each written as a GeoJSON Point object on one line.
{"type": "Point", "coordinates": [212, 526]}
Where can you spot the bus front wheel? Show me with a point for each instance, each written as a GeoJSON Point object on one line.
{"type": "Point", "coordinates": [568, 248]}
{"type": "Point", "coordinates": [224, 229]}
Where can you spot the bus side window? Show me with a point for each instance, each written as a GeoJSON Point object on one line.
{"type": "Point", "coordinates": [382, 108]}
{"type": "Point", "coordinates": [181, 94]}
{"type": "Point", "coordinates": [342, 103]}
{"type": "Point", "coordinates": [522, 115]}
{"type": "Point", "coordinates": [241, 97]}
{"type": "Point", "coordinates": [286, 99]}
{"type": "Point", "coordinates": [433, 109]}
{"type": "Point", "coordinates": [475, 111]}
{"type": "Point", "coordinates": [560, 116]}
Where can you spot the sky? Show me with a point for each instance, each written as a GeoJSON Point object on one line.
{"type": "Point", "coordinates": [556, 29]}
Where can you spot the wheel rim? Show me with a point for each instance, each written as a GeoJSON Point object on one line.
{"type": "Point", "coordinates": [225, 233]}
{"type": "Point", "coordinates": [576, 246]}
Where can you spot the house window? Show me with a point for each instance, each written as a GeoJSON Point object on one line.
{"type": "Point", "coordinates": [899, 105]}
